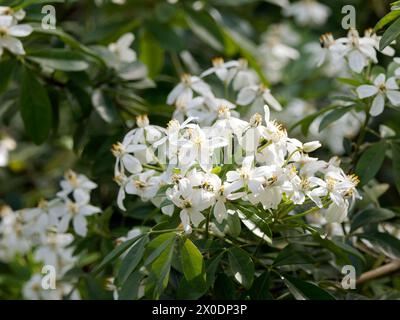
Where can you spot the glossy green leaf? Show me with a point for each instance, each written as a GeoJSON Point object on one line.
{"type": "Point", "coordinates": [242, 267]}
{"type": "Point", "coordinates": [370, 216]}
{"type": "Point", "coordinates": [59, 59]}
{"type": "Point", "coordinates": [303, 290]}
{"type": "Point", "coordinates": [390, 35]}
{"type": "Point", "coordinates": [371, 161]}
{"type": "Point", "coordinates": [35, 108]}
{"type": "Point", "coordinates": [131, 260]}
{"type": "Point", "coordinates": [333, 116]}
{"type": "Point", "coordinates": [387, 243]}
{"type": "Point", "coordinates": [192, 261]}
{"type": "Point", "coordinates": [114, 254]}
{"type": "Point", "coordinates": [7, 69]}
{"type": "Point", "coordinates": [151, 54]}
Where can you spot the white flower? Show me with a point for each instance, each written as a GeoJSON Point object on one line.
{"type": "Point", "coordinates": [308, 12]}
{"type": "Point", "coordinates": [54, 251]}
{"type": "Point", "coordinates": [236, 71]}
{"type": "Point", "coordinates": [183, 92]}
{"type": "Point", "coordinates": [122, 48]}
{"type": "Point", "coordinates": [9, 32]}
{"type": "Point", "coordinates": [258, 96]}
{"type": "Point", "coordinates": [380, 89]}
{"type": "Point", "coordinates": [75, 211]}
{"type": "Point", "coordinates": [77, 184]}
{"type": "Point", "coordinates": [359, 51]}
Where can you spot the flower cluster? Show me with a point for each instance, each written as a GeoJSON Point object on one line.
{"type": "Point", "coordinates": [10, 30]}
{"type": "Point", "coordinates": [43, 230]}
{"type": "Point", "coordinates": [194, 97]}
{"type": "Point", "coordinates": [358, 52]}
{"type": "Point", "coordinates": [198, 170]}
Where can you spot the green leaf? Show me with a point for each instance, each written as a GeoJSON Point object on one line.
{"type": "Point", "coordinates": [114, 254]}
{"type": "Point", "coordinates": [166, 36]}
{"type": "Point", "coordinates": [157, 246]}
{"type": "Point", "coordinates": [130, 289]}
{"type": "Point", "coordinates": [131, 260]}
{"type": "Point", "coordinates": [161, 264]}
{"type": "Point", "coordinates": [234, 224]}
{"type": "Point", "coordinates": [388, 244]}
{"type": "Point", "coordinates": [260, 288]}
{"type": "Point", "coordinates": [340, 249]}
{"type": "Point", "coordinates": [390, 35]}
{"type": "Point", "coordinates": [242, 266]}
{"type": "Point", "coordinates": [69, 40]}
{"type": "Point", "coordinates": [212, 268]}
{"type": "Point", "coordinates": [396, 164]}
{"type": "Point", "coordinates": [370, 216]}
{"type": "Point", "coordinates": [192, 261]}
{"type": "Point", "coordinates": [59, 59]}
{"type": "Point", "coordinates": [306, 122]}
{"type": "Point", "coordinates": [387, 19]}
{"type": "Point", "coordinates": [292, 254]}
{"type": "Point", "coordinates": [35, 107]}
{"type": "Point", "coordinates": [350, 81]}
{"type": "Point", "coordinates": [151, 54]}
{"type": "Point", "coordinates": [205, 28]}
{"type": "Point", "coordinates": [7, 69]}
{"type": "Point", "coordinates": [104, 106]}
{"type": "Point", "coordinates": [303, 290]}
{"type": "Point", "coordinates": [333, 116]}
{"type": "Point", "coordinates": [371, 161]}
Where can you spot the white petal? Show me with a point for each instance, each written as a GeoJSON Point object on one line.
{"type": "Point", "coordinates": [81, 196]}
{"type": "Point", "coordinates": [380, 80]}
{"type": "Point", "coordinates": [126, 40]}
{"type": "Point", "coordinates": [366, 91]}
{"type": "Point", "coordinates": [196, 217]}
{"type": "Point", "coordinates": [88, 210]}
{"type": "Point", "coordinates": [64, 223]}
{"type": "Point", "coordinates": [377, 105]}
{"type": "Point", "coordinates": [270, 100]}
{"type": "Point", "coordinates": [14, 45]}
{"type": "Point", "coordinates": [391, 84]}
{"type": "Point", "coordinates": [357, 61]}
{"type": "Point", "coordinates": [131, 164]}
{"type": "Point", "coordinates": [121, 198]}
{"type": "Point", "coordinates": [80, 225]}
{"type": "Point", "coordinates": [394, 97]}
{"type": "Point", "coordinates": [245, 96]}
{"type": "Point", "coordinates": [220, 211]}
{"type": "Point", "coordinates": [21, 30]}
